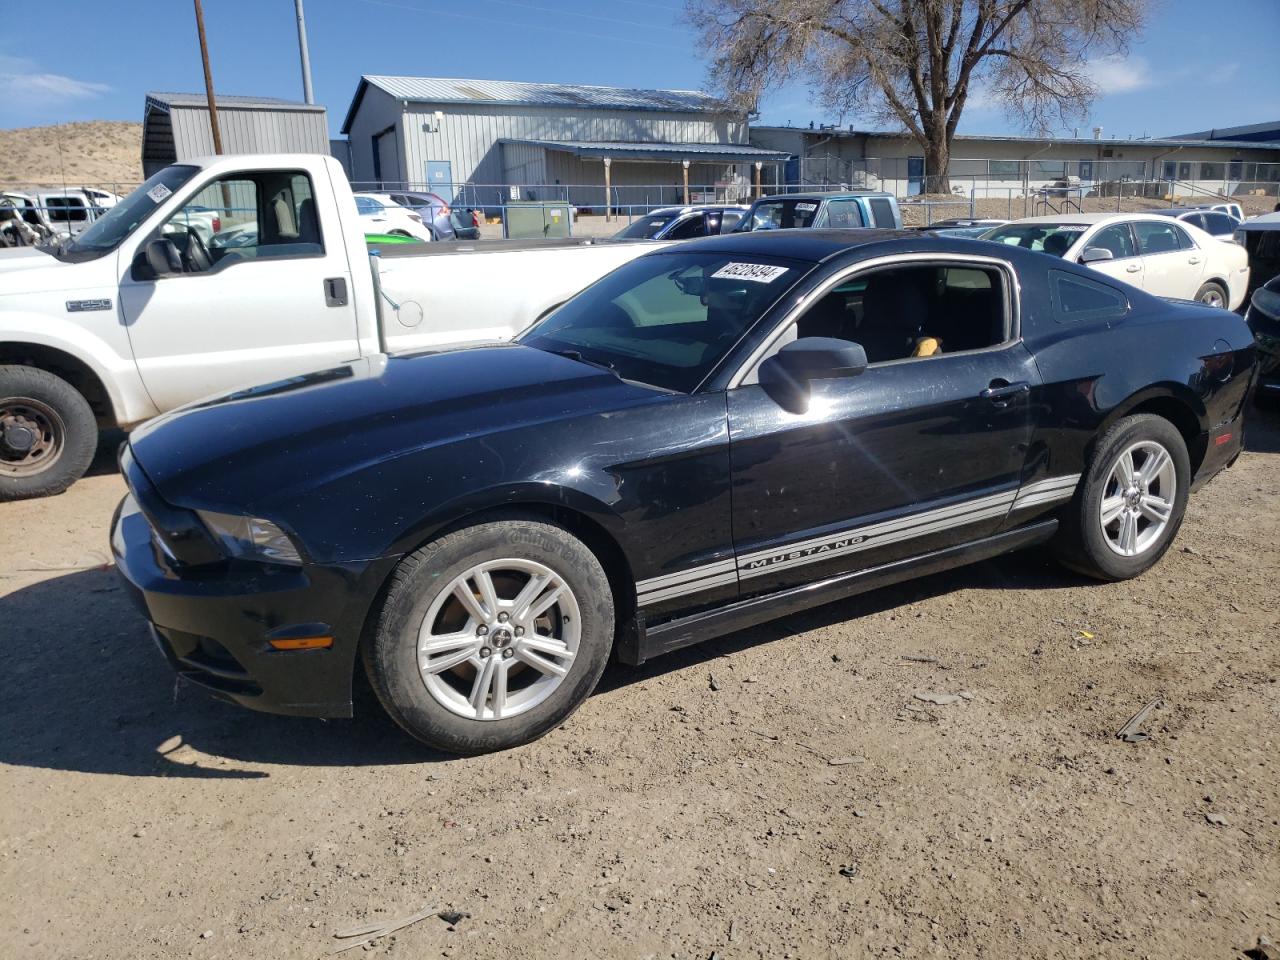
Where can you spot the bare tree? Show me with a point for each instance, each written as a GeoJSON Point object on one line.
{"type": "Point", "coordinates": [918, 62]}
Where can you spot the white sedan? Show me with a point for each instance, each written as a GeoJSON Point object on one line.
{"type": "Point", "coordinates": [1163, 256]}
{"type": "Point", "coordinates": [381, 214]}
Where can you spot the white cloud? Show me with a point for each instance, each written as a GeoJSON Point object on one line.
{"type": "Point", "coordinates": [22, 83]}
{"type": "Point", "coordinates": [1117, 74]}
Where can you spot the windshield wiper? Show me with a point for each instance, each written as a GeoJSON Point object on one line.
{"type": "Point", "coordinates": [577, 355]}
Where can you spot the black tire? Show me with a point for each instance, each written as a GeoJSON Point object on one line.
{"type": "Point", "coordinates": [1082, 544]}
{"type": "Point", "coordinates": [391, 655]}
{"type": "Point", "coordinates": [1213, 294]}
{"type": "Point", "coordinates": [48, 434]}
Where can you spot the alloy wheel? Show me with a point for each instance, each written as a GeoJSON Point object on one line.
{"type": "Point", "coordinates": [499, 639]}
{"type": "Point", "coordinates": [1139, 498]}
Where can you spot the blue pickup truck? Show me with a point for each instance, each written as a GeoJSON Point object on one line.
{"type": "Point", "coordinates": [854, 208]}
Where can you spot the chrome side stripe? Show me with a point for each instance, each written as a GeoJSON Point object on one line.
{"type": "Point", "coordinates": [854, 540]}
{"type": "Point", "coordinates": [857, 539]}
{"type": "Point", "coordinates": [1046, 491]}
{"type": "Point", "coordinates": [686, 581]}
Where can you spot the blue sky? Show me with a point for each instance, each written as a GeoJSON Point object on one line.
{"type": "Point", "coordinates": [1191, 71]}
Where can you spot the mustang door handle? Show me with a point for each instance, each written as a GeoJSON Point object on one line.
{"type": "Point", "coordinates": [335, 292]}
{"type": "Point", "coordinates": [1133, 268]}
{"type": "Point", "coordinates": [1001, 392]}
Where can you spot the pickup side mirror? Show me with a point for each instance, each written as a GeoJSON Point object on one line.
{"type": "Point", "coordinates": [786, 375]}
{"type": "Point", "coordinates": [1096, 255]}
{"type": "Point", "coordinates": [160, 258]}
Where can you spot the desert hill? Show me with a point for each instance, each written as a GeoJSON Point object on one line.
{"type": "Point", "coordinates": [96, 152]}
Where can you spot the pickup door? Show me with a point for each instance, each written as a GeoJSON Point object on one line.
{"type": "Point", "coordinates": [268, 296]}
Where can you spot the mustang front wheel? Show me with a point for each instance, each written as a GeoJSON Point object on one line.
{"type": "Point", "coordinates": [492, 635]}
{"type": "Point", "coordinates": [1128, 508]}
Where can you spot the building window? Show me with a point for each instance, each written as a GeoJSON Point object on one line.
{"type": "Point", "coordinates": [1211, 171]}
{"type": "Point", "coordinates": [1170, 170]}
{"type": "Point", "coordinates": [1005, 170]}
{"type": "Point", "coordinates": [1184, 171]}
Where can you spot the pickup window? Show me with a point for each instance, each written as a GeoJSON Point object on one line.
{"type": "Point", "coordinates": [244, 217]}
{"type": "Point", "coordinates": [882, 211]}
{"type": "Point", "coordinates": [843, 213]}
{"type": "Point", "coordinates": [66, 209]}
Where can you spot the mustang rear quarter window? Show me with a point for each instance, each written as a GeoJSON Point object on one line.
{"type": "Point", "coordinates": [1079, 298]}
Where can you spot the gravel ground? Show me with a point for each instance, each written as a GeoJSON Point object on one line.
{"type": "Point", "coordinates": [804, 804]}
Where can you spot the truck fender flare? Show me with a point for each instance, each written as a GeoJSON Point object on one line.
{"type": "Point", "coordinates": [53, 334]}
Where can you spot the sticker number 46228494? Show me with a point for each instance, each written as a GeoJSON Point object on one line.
{"type": "Point", "coordinates": [758, 272]}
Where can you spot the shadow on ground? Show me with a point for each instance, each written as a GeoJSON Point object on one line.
{"type": "Point", "coordinates": [86, 691]}
{"type": "Point", "coordinates": [89, 692]}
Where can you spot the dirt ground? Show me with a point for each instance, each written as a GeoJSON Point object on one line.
{"type": "Point", "coordinates": [805, 804]}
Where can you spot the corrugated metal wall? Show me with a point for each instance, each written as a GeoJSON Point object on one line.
{"type": "Point", "coordinates": [249, 131]}
{"type": "Point", "coordinates": [469, 135]}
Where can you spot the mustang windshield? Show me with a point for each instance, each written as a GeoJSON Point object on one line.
{"type": "Point", "coordinates": [667, 319]}
{"type": "Point", "coordinates": [122, 219]}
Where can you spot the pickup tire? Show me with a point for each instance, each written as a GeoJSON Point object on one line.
{"type": "Point", "coordinates": [1130, 504]}
{"type": "Point", "coordinates": [491, 636]}
{"type": "Point", "coordinates": [48, 434]}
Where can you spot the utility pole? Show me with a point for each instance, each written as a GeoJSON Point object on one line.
{"type": "Point", "coordinates": [208, 81]}
{"type": "Point", "coordinates": [303, 53]}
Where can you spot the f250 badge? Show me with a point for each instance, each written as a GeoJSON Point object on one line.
{"type": "Point", "coordinates": [85, 306]}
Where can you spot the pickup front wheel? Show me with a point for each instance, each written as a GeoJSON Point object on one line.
{"type": "Point", "coordinates": [48, 433]}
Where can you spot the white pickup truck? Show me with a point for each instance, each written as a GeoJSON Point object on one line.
{"type": "Point", "coordinates": [145, 311]}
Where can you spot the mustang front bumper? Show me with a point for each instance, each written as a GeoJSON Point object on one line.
{"type": "Point", "coordinates": [215, 623]}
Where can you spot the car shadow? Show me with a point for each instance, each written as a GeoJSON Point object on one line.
{"type": "Point", "coordinates": [88, 692]}
{"type": "Point", "coordinates": [85, 690]}
{"type": "Point", "coordinates": [1262, 428]}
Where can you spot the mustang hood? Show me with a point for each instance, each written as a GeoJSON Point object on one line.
{"type": "Point", "coordinates": [262, 449]}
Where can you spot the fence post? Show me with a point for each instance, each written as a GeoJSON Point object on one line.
{"type": "Point", "coordinates": [973, 190]}
{"type": "Point", "coordinates": [685, 173]}
{"type": "Point", "coordinates": [759, 166]}
{"type": "Point", "coordinates": [608, 210]}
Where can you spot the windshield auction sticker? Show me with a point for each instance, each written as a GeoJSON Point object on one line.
{"type": "Point", "coordinates": [758, 272]}
{"type": "Point", "coordinates": [158, 193]}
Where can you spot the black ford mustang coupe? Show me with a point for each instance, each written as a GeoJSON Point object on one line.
{"type": "Point", "coordinates": [717, 433]}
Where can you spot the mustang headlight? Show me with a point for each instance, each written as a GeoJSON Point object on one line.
{"type": "Point", "coordinates": [250, 537]}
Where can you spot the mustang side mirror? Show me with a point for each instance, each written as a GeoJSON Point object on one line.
{"type": "Point", "coordinates": [161, 257]}
{"type": "Point", "coordinates": [1095, 254]}
{"type": "Point", "coordinates": [786, 375]}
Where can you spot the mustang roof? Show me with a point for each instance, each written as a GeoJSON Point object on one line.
{"type": "Point", "coordinates": [799, 244]}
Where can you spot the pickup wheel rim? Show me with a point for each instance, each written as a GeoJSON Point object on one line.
{"type": "Point", "coordinates": [499, 639]}
{"type": "Point", "coordinates": [32, 436]}
{"type": "Point", "coordinates": [1138, 500]}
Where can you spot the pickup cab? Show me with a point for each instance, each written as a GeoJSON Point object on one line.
{"type": "Point", "coordinates": [146, 311]}
{"type": "Point", "coordinates": [822, 210]}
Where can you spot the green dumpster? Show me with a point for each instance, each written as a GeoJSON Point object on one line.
{"type": "Point", "coordinates": [533, 219]}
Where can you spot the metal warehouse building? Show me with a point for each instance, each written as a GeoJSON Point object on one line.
{"type": "Point", "coordinates": [483, 142]}
{"type": "Point", "coordinates": [175, 126]}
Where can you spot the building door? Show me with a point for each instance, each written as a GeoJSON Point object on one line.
{"type": "Point", "coordinates": [386, 165]}
{"type": "Point", "coordinates": [915, 176]}
{"type": "Point", "coordinates": [440, 178]}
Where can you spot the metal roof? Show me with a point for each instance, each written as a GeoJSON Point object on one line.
{"type": "Point", "coordinates": [712, 152]}
{"type": "Point", "coordinates": [1044, 141]}
{"type": "Point", "coordinates": [519, 93]}
{"type": "Point", "coordinates": [163, 101]}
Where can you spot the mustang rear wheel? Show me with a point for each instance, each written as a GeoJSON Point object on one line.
{"type": "Point", "coordinates": [1128, 509]}
{"type": "Point", "coordinates": [492, 635]}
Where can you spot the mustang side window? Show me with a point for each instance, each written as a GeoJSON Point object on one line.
{"type": "Point", "coordinates": [1081, 298]}
{"type": "Point", "coordinates": [910, 312]}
